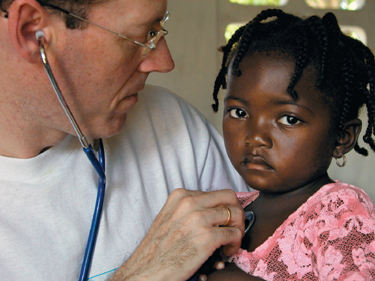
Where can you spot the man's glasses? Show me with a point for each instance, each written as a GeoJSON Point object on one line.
{"type": "Point", "coordinates": [153, 37]}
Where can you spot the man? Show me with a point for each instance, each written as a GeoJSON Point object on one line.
{"type": "Point", "coordinates": [48, 187]}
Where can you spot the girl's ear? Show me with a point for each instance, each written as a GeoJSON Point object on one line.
{"type": "Point", "coordinates": [348, 139]}
{"type": "Point", "coordinates": [25, 17]}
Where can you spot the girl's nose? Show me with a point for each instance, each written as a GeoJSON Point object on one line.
{"type": "Point", "coordinates": [257, 134]}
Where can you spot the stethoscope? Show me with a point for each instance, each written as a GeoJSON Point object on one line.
{"type": "Point", "coordinates": [98, 163]}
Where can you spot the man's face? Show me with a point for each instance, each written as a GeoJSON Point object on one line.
{"type": "Point", "coordinates": [100, 73]}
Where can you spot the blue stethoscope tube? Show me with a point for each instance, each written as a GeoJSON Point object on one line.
{"type": "Point", "coordinates": [100, 168]}
{"type": "Point", "coordinates": [99, 165]}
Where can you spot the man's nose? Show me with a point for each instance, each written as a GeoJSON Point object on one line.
{"type": "Point", "coordinates": [158, 60]}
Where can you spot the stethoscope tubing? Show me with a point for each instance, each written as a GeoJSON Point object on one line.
{"type": "Point", "coordinates": [100, 168]}
{"type": "Point", "coordinates": [59, 95]}
{"type": "Point", "coordinates": [99, 165]}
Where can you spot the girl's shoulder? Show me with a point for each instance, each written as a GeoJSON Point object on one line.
{"type": "Point", "coordinates": [337, 211]}
{"type": "Point", "coordinates": [341, 198]}
{"type": "Point", "coordinates": [334, 196]}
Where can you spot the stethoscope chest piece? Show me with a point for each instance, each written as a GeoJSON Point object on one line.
{"type": "Point", "coordinates": [249, 221]}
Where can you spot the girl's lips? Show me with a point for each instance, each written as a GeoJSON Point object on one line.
{"type": "Point", "coordinates": [256, 163]}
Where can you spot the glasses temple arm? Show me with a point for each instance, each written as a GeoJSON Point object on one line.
{"type": "Point", "coordinates": [90, 22]}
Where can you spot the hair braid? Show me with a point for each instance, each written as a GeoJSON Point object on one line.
{"type": "Point", "coordinates": [220, 80]}
{"type": "Point", "coordinates": [370, 94]}
{"type": "Point", "coordinates": [248, 32]}
{"type": "Point", "coordinates": [330, 21]}
{"type": "Point", "coordinates": [347, 84]}
{"type": "Point", "coordinates": [367, 138]}
{"type": "Point", "coordinates": [357, 148]}
{"type": "Point", "coordinates": [318, 29]}
{"type": "Point", "coordinates": [301, 61]}
{"type": "Point", "coordinates": [242, 48]}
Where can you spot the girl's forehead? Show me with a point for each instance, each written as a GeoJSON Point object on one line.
{"type": "Point", "coordinates": [272, 73]}
{"type": "Point", "coordinates": [264, 70]}
{"type": "Point", "coordinates": [274, 56]}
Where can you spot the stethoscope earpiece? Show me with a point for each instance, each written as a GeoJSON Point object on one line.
{"type": "Point", "coordinates": [39, 34]}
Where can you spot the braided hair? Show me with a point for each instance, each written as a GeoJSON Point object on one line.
{"type": "Point", "coordinates": [345, 68]}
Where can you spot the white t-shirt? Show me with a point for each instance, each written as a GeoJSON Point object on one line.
{"type": "Point", "coordinates": [47, 202]}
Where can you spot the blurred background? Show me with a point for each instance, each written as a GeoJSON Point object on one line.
{"type": "Point", "coordinates": [198, 27]}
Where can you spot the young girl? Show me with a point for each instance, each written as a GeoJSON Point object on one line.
{"type": "Point", "coordinates": [294, 90]}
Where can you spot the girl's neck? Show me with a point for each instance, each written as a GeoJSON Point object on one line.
{"type": "Point", "coordinates": [296, 196]}
{"type": "Point", "coordinates": [272, 209]}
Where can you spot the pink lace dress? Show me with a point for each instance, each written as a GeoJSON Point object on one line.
{"type": "Point", "coordinates": [330, 237]}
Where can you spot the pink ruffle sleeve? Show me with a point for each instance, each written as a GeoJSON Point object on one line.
{"type": "Point", "coordinates": [330, 237]}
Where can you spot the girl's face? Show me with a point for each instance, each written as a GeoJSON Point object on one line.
{"type": "Point", "coordinates": [276, 143]}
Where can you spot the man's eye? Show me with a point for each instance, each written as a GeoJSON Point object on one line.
{"type": "Point", "coordinates": [237, 113]}
{"type": "Point", "coordinates": [289, 120]}
{"type": "Point", "coordinates": [152, 34]}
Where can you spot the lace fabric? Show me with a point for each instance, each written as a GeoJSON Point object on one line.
{"type": "Point", "coordinates": [330, 237]}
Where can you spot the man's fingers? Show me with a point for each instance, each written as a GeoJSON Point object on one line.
{"type": "Point", "coordinates": [230, 238]}
{"type": "Point", "coordinates": [219, 265]}
{"type": "Point", "coordinates": [188, 229]}
{"type": "Point", "coordinates": [204, 199]}
{"type": "Point", "coordinates": [215, 237]}
{"type": "Point", "coordinates": [202, 277]}
{"type": "Point", "coordinates": [225, 197]}
{"type": "Point", "coordinates": [224, 202]}
{"type": "Point", "coordinates": [229, 216]}
{"type": "Point", "coordinates": [223, 216]}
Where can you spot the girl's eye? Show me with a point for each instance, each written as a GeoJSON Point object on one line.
{"type": "Point", "coordinates": [289, 120]}
{"type": "Point", "coordinates": [237, 113]}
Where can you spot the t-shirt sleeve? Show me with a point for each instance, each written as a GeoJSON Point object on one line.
{"type": "Point", "coordinates": [181, 148]}
{"type": "Point", "coordinates": [214, 168]}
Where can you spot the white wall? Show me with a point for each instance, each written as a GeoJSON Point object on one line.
{"type": "Point", "coordinates": [196, 31]}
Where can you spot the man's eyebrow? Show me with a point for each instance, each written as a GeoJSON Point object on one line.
{"type": "Point", "coordinates": [156, 20]}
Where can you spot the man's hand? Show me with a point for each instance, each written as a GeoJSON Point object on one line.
{"type": "Point", "coordinates": [184, 234]}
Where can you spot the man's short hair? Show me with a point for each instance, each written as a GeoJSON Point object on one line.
{"type": "Point", "coordinates": [78, 7]}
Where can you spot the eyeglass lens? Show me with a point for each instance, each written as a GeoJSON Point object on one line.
{"type": "Point", "coordinates": [151, 45]}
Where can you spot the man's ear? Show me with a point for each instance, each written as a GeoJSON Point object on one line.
{"type": "Point", "coordinates": [347, 140]}
{"type": "Point", "coordinates": [25, 18]}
